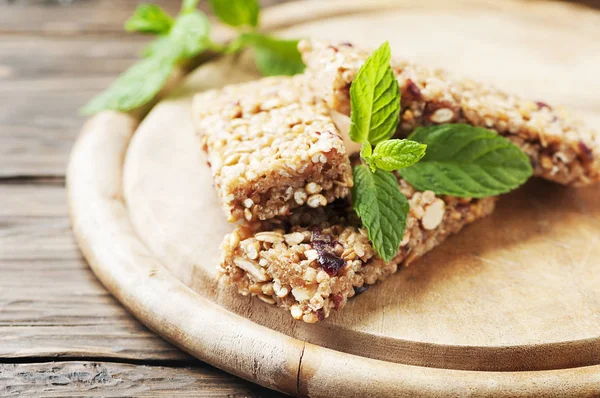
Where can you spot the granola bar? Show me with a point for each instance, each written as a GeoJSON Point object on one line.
{"type": "Point", "coordinates": [560, 147]}
{"type": "Point", "coordinates": [315, 260]}
{"type": "Point", "coordinates": [272, 147]}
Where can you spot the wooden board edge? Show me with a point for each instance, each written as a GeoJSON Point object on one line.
{"type": "Point", "coordinates": [253, 352]}
{"type": "Point", "coordinates": [126, 267]}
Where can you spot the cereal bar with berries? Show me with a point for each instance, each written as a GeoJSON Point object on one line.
{"type": "Point", "coordinates": [561, 147]}
{"type": "Point", "coordinates": [272, 147]}
{"type": "Point", "coordinates": [313, 261]}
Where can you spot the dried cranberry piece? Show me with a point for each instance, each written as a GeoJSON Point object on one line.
{"type": "Point", "coordinates": [543, 105]}
{"type": "Point", "coordinates": [413, 90]}
{"type": "Point", "coordinates": [334, 48]}
{"type": "Point", "coordinates": [360, 290]}
{"type": "Point", "coordinates": [325, 246]}
{"type": "Point", "coordinates": [586, 153]}
{"type": "Point", "coordinates": [337, 300]}
{"type": "Point", "coordinates": [320, 314]}
{"type": "Point", "coordinates": [330, 262]}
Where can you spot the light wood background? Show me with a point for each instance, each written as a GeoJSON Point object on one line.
{"type": "Point", "coordinates": [61, 333]}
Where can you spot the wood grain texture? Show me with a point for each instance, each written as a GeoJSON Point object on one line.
{"type": "Point", "coordinates": [108, 379]}
{"type": "Point", "coordinates": [53, 58]}
{"type": "Point", "coordinates": [51, 304]}
{"type": "Point", "coordinates": [41, 99]}
{"type": "Point", "coordinates": [482, 317]}
{"type": "Point", "coordinates": [36, 132]}
{"type": "Point", "coordinates": [80, 17]}
{"type": "Point", "coordinates": [79, 50]}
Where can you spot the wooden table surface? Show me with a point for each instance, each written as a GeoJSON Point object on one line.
{"type": "Point", "coordinates": [61, 332]}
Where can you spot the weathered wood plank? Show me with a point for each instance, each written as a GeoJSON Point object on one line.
{"type": "Point", "coordinates": [79, 17]}
{"type": "Point", "coordinates": [30, 200]}
{"type": "Point", "coordinates": [54, 306]}
{"type": "Point", "coordinates": [39, 118]}
{"type": "Point", "coordinates": [37, 239]}
{"type": "Point", "coordinates": [106, 379]}
{"type": "Point", "coordinates": [58, 308]}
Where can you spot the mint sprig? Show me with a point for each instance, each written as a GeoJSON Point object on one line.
{"type": "Point", "coordinates": [183, 38]}
{"type": "Point", "coordinates": [190, 34]}
{"type": "Point", "coordinates": [138, 85]}
{"type": "Point", "coordinates": [237, 12]}
{"type": "Point", "coordinates": [451, 159]}
{"type": "Point", "coordinates": [376, 196]}
{"type": "Point", "coordinates": [274, 56]}
{"type": "Point", "coordinates": [188, 5]}
{"type": "Point", "coordinates": [149, 18]}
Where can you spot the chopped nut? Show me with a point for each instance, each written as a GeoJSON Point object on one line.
{"type": "Point", "coordinates": [296, 311]}
{"type": "Point", "coordinates": [304, 293]}
{"type": "Point", "coordinates": [252, 268]}
{"type": "Point", "coordinates": [271, 237]}
{"type": "Point", "coordinates": [248, 203]}
{"type": "Point", "coordinates": [294, 238]}
{"type": "Point", "coordinates": [434, 214]}
{"type": "Point", "coordinates": [442, 115]}
{"type": "Point", "coordinates": [310, 318]}
{"type": "Point", "coordinates": [311, 255]}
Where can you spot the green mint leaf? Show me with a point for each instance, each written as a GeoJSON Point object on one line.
{"type": "Point", "coordinates": [393, 155]}
{"type": "Point", "coordinates": [374, 99]}
{"type": "Point", "coordinates": [237, 12]}
{"type": "Point", "coordinates": [138, 85]}
{"type": "Point", "coordinates": [157, 46]}
{"type": "Point", "coordinates": [382, 208]}
{"type": "Point", "coordinates": [467, 161]}
{"type": "Point", "coordinates": [274, 56]}
{"type": "Point", "coordinates": [366, 151]}
{"type": "Point", "coordinates": [190, 34]}
{"type": "Point", "coordinates": [188, 5]}
{"type": "Point", "coordinates": [149, 18]}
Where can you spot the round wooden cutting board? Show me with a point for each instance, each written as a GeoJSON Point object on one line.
{"type": "Point", "coordinates": [510, 306]}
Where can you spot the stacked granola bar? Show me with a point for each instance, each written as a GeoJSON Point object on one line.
{"type": "Point", "coordinates": [561, 148]}
{"type": "Point", "coordinates": [272, 147]}
{"type": "Point", "coordinates": [315, 260]}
